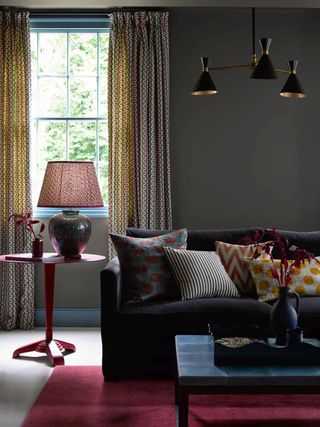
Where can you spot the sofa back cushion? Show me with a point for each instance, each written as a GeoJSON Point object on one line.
{"type": "Point", "coordinates": [204, 240]}
{"type": "Point", "coordinates": [308, 240]}
{"type": "Point", "coordinates": [199, 240]}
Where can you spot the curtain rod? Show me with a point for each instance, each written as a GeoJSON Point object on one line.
{"type": "Point", "coordinates": [16, 9]}
{"type": "Point", "coordinates": [90, 12]}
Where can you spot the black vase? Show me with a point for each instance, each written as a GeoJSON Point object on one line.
{"type": "Point", "coordinates": [283, 316]}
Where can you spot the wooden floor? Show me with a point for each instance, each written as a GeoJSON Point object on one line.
{"type": "Point", "coordinates": [22, 379]}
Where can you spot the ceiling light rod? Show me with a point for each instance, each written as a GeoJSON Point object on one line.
{"type": "Point", "coordinates": [262, 68]}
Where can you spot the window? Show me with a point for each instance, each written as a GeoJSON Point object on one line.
{"type": "Point", "coordinates": [69, 95]}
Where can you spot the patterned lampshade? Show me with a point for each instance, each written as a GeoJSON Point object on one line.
{"type": "Point", "coordinates": [70, 184]}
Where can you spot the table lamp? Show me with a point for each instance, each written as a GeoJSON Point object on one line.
{"type": "Point", "coordinates": [69, 185]}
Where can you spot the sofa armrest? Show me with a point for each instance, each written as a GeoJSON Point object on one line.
{"type": "Point", "coordinates": [110, 280]}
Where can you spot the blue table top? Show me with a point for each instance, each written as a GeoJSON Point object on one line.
{"type": "Point", "coordinates": [196, 366]}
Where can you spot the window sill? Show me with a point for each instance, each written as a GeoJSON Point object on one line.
{"type": "Point", "coordinates": [90, 212]}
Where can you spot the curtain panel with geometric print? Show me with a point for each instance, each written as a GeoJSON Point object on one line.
{"type": "Point", "coordinates": [138, 114]}
{"type": "Point", "coordinates": [16, 280]}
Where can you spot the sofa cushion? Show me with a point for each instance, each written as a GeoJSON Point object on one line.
{"type": "Point", "coordinates": [193, 316]}
{"type": "Point", "coordinates": [145, 271]}
{"type": "Point", "coordinates": [309, 316]}
{"type": "Point", "coordinates": [200, 274]}
{"type": "Point", "coordinates": [186, 316]}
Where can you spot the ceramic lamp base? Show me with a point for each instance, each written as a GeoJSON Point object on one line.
{"type": "Point", "coordinates": [69, 233]}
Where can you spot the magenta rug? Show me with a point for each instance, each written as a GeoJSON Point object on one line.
{"type": "Point", "coordinates": [77, 396]}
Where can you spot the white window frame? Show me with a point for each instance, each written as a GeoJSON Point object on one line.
{"type": "Point", "coordinates": [68, 25]}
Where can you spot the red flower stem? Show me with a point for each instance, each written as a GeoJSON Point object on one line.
{"type": "Point", "coordinates": [274, 266]}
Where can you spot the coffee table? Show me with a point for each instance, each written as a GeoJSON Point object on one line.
{"type": "Point", "coordinates": [197, 374]}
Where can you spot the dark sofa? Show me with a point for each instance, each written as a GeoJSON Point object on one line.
{"type": "Point", "coordinates": [138, 338]}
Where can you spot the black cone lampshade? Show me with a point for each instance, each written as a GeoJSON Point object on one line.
{"type": "Point", "coordinates": [204, 85]}
{"type": "Point", "coordinates": [264, 68]}
{"type": "Point", "coordinates": [292, 87]}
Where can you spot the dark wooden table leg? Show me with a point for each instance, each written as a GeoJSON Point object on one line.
{"type": "Point", "coordinates": [182, 405]}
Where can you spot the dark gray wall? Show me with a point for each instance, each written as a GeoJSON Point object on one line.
{"type": "Point", "coordinates": [245, 156]}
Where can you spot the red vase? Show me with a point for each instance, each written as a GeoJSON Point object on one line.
{"type": "Point", "coordinates": [37, 248]}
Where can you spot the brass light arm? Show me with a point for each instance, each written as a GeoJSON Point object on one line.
{"type": "Point", "coordinates": [252, 64]}
{"type": "Point", "coordinates": [227, 67]}
{"type": "Point", "coordinates": [281, 70]}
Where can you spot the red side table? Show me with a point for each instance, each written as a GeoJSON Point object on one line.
{"type": "Point", "coordinates": [52, 347]}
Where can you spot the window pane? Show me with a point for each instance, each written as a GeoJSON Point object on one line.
{"type": "Point", "coordinates": [103, 141]}
{"type": "Point", "coordinates": [33, 46]}
{"type": "Point", "coordinates": [83, 54]}
{"type": "Point", "coordinates": [52, 97]}
{"type": "Point", "coordinates": [82, 140]}
{"type": "Point", "coordinates": [34, 153]}
{"type": "Point", "coordinates": [103, 52]}
{"type": "Point", "coordinates": [83, 97]}
{"type": "Point", "coordinates": [36, 178]}
{"type": "Point", "coordinates": [51, 146]}
{"type": "Point", "coordinates": [51, 142]}
{"type": "Point", "coordinates": [103, 106]}
{"type": "Point", "coordinates": [34, 98]}
{"type": "Point", "coordinates": [103, 160]}
{"type": "Point", "coordinates": [52, 53]}
{"type": "Point", "coordinates": [103, 181]}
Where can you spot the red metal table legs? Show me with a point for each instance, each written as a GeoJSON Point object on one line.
{"type": "Point", "coordinates": [52, 347]}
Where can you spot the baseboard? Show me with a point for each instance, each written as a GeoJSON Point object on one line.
{"type": "Point", "coordinates": [70, 317]}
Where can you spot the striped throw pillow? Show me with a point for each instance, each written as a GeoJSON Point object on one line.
{"type": "Point", "coordinates": [200, 274]}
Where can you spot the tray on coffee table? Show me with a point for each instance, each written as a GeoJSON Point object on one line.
{"type": "Point", "coordinates": [257, 349]}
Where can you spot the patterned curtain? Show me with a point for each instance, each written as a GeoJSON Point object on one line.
{"type": "Point", "coordinates": [16, 281]}
{"type": "Point", "coordinates": [138, 107]}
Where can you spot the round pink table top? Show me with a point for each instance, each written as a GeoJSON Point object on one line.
{"type": "Point", "coordinates": [50, 258]}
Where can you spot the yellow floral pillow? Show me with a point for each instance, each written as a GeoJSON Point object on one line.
{"type": "Point", "coordinates": [304, 280]}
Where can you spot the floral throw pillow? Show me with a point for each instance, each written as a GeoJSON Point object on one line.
{"type": "Point", "coordinates": [304, 280]}
{"type": "Point", "coordinates": [145, 272]}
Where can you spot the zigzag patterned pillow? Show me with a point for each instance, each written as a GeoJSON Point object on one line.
{"type": "Point", "coordinates": [200, 274]}
{"type": "Point", "coordinates": [232, 258]}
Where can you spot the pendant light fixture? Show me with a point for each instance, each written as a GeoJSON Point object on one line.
{"type": "Point", "coordinates": [262, 68]}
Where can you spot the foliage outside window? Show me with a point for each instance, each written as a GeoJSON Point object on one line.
{"type": "Point", "coordinates": [69, 101]}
